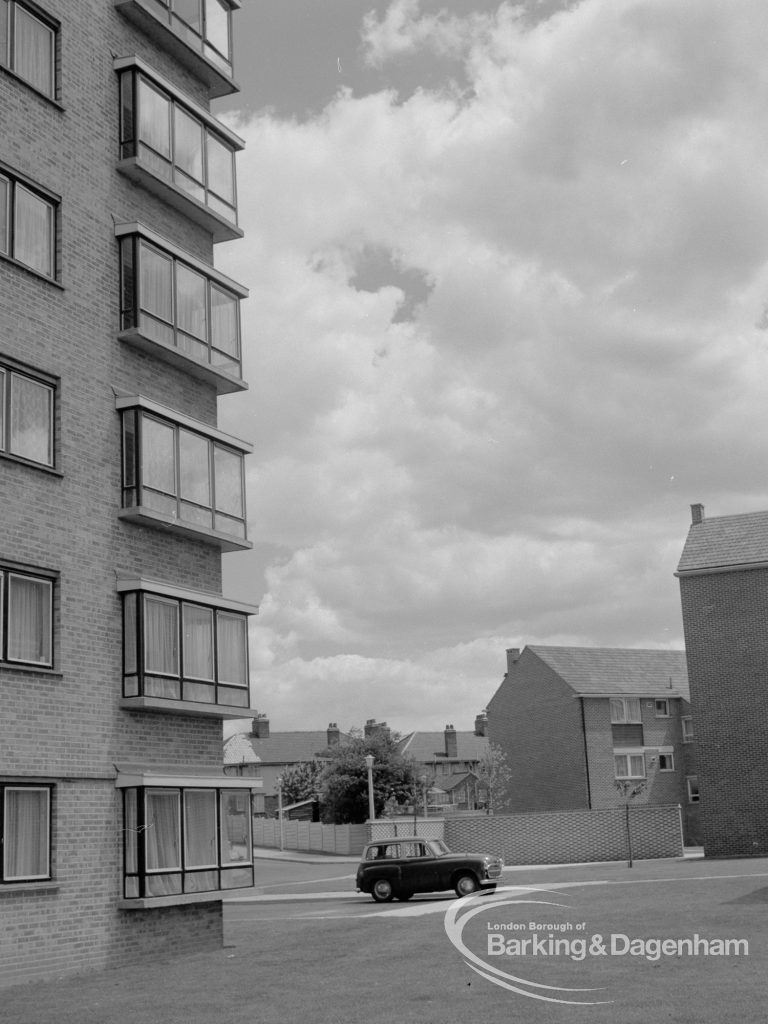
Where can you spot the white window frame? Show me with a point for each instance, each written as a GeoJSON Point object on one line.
{"type": "Point", "coordinates": [9, 58]}
{"type": "Point", "coordinates": [692, 787]}
{"type": "Point", "coordinates": [686, 724]}
{"type": "Point", "coordinates": [628, 755]}
{"type": "Point", "coordinates": [7, 575]}
{"type": "Point", "coordinates": [9, 246]}
{"type": "Point", "coordinates": [45, 821]}
{"type": "Point", "coordinates": [626, 711]}
{"type": "Point", "coordinates": [664, 702]}
{"type": "Point", "coordinates": [10, 372]}
{"type": "Point", "coordinates": [669, 755]}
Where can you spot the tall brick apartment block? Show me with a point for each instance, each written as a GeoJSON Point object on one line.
{"type": "Point", "coordinates": [572, 721]}
{"type": "Point", "coordinates": [119, 657]}
{"type": "Point", "coordinates": [723, 575]}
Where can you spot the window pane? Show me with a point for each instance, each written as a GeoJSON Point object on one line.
{"type": "Point", "coordinates": [129, 634]}
{"type": "Point", "coordinates": [156, 277]}
{"type": "Point", "coordinates": [235, 827]}
{"type": "Point", "coordinates": [161, 636]}
{"type": "Point", "coordinates": [188, 144]}
{"type": "Point", "coordinates": [2, 412]}
{"type": "Point", "coordinates": [154, 119]}
{"type": "Point", "coordinates": [217, 26]}
{"type": "Point", "coordinates": [26, 834]}
{"type": "Point", "coordinates": [31, 419]}
{"type": "Point", "coordinates": [633, 709]}
{"type": "Point", "coordinates": [232, 641]}
{"type": "Point", "coordinates": [34, 49]}
{"type": "Point", "coordinates": [189, 12]}
{"type": "Point", "coordinates": [33, 237]}
{"type": "Point", "coordinates": [5, 58]}
{"type": "Point", "coordinates": [221, 177]}
{"type": "Point", "coordinates": [5, 193]}
{"type": "Point", "coordinates": [194, 469]}
{"type": "Point", "coordinates": [224, 322]}
{"type": "Point", "coordinates": [162, 830]}
{"type": "Point", "coordinates": [158, 455]}
{"type": "Point", "coordinates": [29, 620]}
{"type": "Point", "coordinates": [191, 301]}
{"type": "Point", "coordinates": [198, 642]}
{"type": "Point", "coordinates": [200, 828]}
{"type": "Point", "coordinates": [637, 765]}
{"type": "Point", "coordinates": [131, 830]}
{"type": "Point", "coordinates": [228, 481]}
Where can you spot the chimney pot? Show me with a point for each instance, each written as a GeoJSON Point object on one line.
{"type": "Point", "coordinates": [697, 514]}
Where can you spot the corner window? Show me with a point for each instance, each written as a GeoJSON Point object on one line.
{"type": "Point", "coordinates": [184, 650]}
{"type": "Point", "coordinates": [28, 46]}
{"type": "Point", "coordinates": [662, 708]}
{"type": "Point", "coordinates": [692, 783]}
{"type": "Point", "coordinates": [625, 710]}
{"type": "Point", "coordinates": [183, 474]}
{"type": "Point", "coordinates": [687, 725]}
{"type": "Point", "coordinates": [26, 833]}
{"type": "Point", "coordinates": [27, 226]}
{"type": "Point", "coordinates": [26, 615]}
{"type": "Point", "coordinates": [179, 304]}
{"type": "Point", "coordinates": [178, 143]}
{"type": "Point", "coordinates": [186, 840]}
{"type": "Point", "coordinates": [629, 765]}
{"type": "Point", "coordinates": [26, 415]}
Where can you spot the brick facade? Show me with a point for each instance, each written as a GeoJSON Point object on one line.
{"type": "Point", "coordinates": [65, 726]}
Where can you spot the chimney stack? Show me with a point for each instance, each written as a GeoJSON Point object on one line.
{"type": "Point", "coordinates": [333, 734]}
{"type": "Point", "coordinates": [481, 724]}
{"type": "Point", "coordinates": [451, 744]}
{"type": "Point", "coordinates": [260, 728]}
{"type": "Point", "coordinates": [697, 514]}
{"type": "Point", "coordinates": [513, 653]}
{"type": "Point", "coordinates": [372, 727]}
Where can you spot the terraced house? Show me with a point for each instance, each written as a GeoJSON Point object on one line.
{"type": "Point", "coordinates": [119, 655]}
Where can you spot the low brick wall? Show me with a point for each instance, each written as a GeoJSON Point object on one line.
{"type": "Point", "coordinates": [567, 837]}
{"type": "Point", "coordinates": [309, 835]}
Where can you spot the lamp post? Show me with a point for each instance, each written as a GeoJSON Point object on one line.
{"type": "Point", "coordinates": [424, 795]}
{"type": "Point", "coordinates": [280, 808]}
{"type": "Point", "coordinates": [369, 766]}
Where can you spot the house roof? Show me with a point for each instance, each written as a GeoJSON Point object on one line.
{"type": "Point", "coordinates": [604, 671]}
{"type": "Point", "coordinates": [426, 747]}
{"type": "Point", "coordinates": [277, 748]}
{"type": "Point", "coordinates": [726, 541]}
{"type": "Point", "coordinates": [454, 781]}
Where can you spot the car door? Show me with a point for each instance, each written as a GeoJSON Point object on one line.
{"type": "Point", "coordinates": [418, 867]}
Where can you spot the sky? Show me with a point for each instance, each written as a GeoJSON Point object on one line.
{"type": "Point", "coordinates": [508, 314]}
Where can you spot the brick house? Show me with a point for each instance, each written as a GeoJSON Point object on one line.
{"type": "Point", "coordinates": [449, 760]}
{"type": "Point", "coordinates": [119, 655]}
{"type": "Point", "coordinates": [572, 721]}
{"type": "Point", "coordinates": [723, 575]}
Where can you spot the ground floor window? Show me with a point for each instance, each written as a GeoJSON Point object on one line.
{"type": "Point", "coordinates": [183, 840]}
{"type": "Point", "coordinates": [26, 832]}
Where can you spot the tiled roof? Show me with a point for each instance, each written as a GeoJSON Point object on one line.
{"type": "Point", "coordinates": [277, 748]}
{"type": "Point", "coordinates": [726, 541]}
{"type": "Point", "coordinates": [426, 747]}
{"type": "Point", "coordinates": [620, 670]}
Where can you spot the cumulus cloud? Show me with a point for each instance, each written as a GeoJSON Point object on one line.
{"type": "Point", "coordinates": [513, 462]}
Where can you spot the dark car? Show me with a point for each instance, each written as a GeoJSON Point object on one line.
{"type": "Point", "coordinates": [400, 867]}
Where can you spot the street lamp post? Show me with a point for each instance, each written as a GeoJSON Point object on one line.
{"type": "Point", "coordinates": [280, 809]}
{"type": "Point", "coordinates": [424, 795]}
{"type": "Point", "coordinates": [369, 766]}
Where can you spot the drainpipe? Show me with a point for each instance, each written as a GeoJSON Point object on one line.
{"type": "Point", "coordinates": [586, 752]}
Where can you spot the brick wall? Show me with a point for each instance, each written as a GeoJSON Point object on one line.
{"type": "Point", "coordinates": [725, 619]}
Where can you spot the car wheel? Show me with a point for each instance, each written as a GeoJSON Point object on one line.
{"type": "Point", "coordinates": [465, 885]}
{"type": "Point", "coordinates": [382, 890]}
{"type": "Point", "coordinates": [404, 896]}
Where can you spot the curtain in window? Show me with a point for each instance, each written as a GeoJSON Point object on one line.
{"type": "Point", "coordinates": [34, 51]}
{"type": "Point", "coordinates": [154, 119]}
{"type": "Point", "coordinates": [235, 827]}
{"type": "Point", "coordinates": [33, 236]}
{"type": "Point", "coordinates": [232, 648]}
{"type": "Point", "coordinates": [162, 832]}
{"type": "Point", "coordinates": [156, 283]}
{"type": "Point", "coordinates": [188, 144]}
{"type": "Point", "coordinates": [158, 455]}
{"type": "Point", "coordinates": [29, 620]}
{"type": "Point", "coordinates": [194, 469]}
{"type": "Point", "coordinates": [129, 634]}
{"type": "Point", "coordinates": [2, 395]}
{"type": "Point", "coordinates": [200, 828]}
{"type": "Point", "coordinates": [131, 831]}
{"type": "Point", "coordinates": [4, 15]}
{"type": "Point", "coordinates": [198, 642]}
{"type": "Point", "coordinates": [191, 291]}
{"type": "Point", "coordinates": [228, 478]}
{"type": "Point", "coordinates": [31, 416]}
{"type": "Point", "coordinates": [161, 636]}
{"type": "Point", "coordinates": [4, 199]}
{"type": "Point", "coordinates": [26, 834]}
{"type": "Point", "coordinates": [224, 333]}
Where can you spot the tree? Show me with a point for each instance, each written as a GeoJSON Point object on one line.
{"type": "Point", "coordinates": [343, 782]}
{"type": "Point", "coordinates": [494, 773]}
{"type": "Point", "coordinates": [300, 782]}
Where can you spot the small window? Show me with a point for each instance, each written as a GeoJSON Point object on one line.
{"type": "Point", "coordinates": [625, 710]}
{"type": "Point", "coordinates": [28, 46]}
{"type": "Point", "coordinates": [26, 416]}
{"type": "Point", "coordinates": [666, 762]}
{"type": "Point", "coordinates": [26, 614]}
{"type": "Point", "coordinates": [26, 833]}
{"type": "Point", "coordinates": [687, 725]}
{"type": "Point", "coordinates": [629, 765]}
{"type": "Point", "coordinates": [27, 226]}
{"type": "Point", "coordinates": [692, 782]}
{"type": "Point", "coordinates": [662, 708]}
